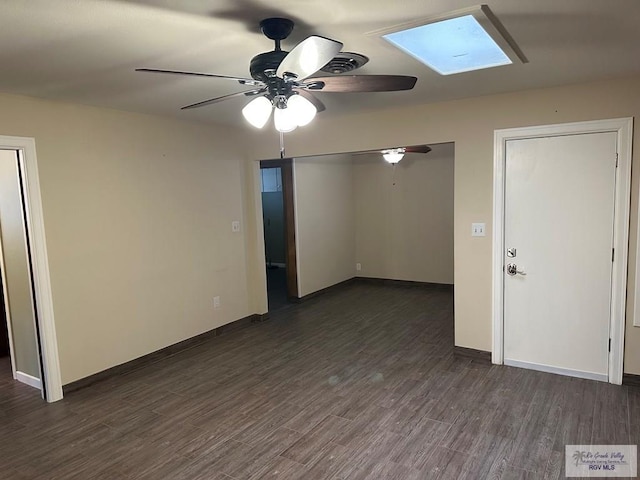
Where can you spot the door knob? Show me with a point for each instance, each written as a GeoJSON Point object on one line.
{"type": "Point", "coordinates": [512, 269]}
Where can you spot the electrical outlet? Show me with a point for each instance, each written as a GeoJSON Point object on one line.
{"type": "Point", "coordinates": [358, 267]}
{"type": "Point", "coordinates": [235, 226]}
{"type": "Point", "coordinates": [216, 302]}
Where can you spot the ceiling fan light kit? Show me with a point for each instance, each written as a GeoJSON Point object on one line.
{"type": "Point", "coordinates": [257, 111]}
{"type": "Point", "coordinates": [284, 120]}
{"type": "Point", "coordinates": [303, 110]}
{"type": "Point", "coordinates": [289, 113]}
{"type": "Point", "coordinates": [393, 155]}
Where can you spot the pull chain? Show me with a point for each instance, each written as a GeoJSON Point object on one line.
{"type": "Point", "coordinates": [281, 145]}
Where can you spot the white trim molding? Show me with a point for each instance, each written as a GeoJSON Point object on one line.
{"type": "Point", "coordinates": [602, 377]}
{"type": "Point", "coordinates": [624, 129]}
{"type": "Point", "coordinates": [48, 343]}
{"type": "Point", "coordinates": [29, 380]}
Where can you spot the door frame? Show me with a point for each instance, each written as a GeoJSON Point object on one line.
{"type": "Point", "coordinates": [624, 129]}
{"type": "Point", "coordinates": [288, 198]}
{"type": "Point", "coordinates": [45, 324]}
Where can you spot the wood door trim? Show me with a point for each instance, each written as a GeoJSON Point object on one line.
{"type": "Point", "coordinates": [286, 166]}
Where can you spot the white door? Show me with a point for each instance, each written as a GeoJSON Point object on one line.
{"type": "Point", "coordinates": [558, 227]}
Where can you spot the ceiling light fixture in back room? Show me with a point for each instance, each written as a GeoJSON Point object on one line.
{"type": "Point", "coordinates": [282, 81]}
{"type": "Point", "coordinates": [393, 155]}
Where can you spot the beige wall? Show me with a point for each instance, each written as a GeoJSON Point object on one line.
{"type": "Point", "coordinates": [470, 123]}
{"type": "Point", "coordinates": [137, 213]}
{"type": "Point", "coordinates": [16, 267]}
{"type": "Point", "coordinates": [404, 216]}
{"type": "Point", "coordinates": [325, 230]}
{"type": "Point", "coordinates": [137, 210]}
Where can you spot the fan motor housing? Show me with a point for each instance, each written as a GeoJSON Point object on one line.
{"type": "Point", "coordinates": [266, 61]}
{"type": "Point", "coordinates": [276, 28]}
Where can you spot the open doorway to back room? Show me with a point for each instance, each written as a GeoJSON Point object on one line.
{"type": "Point", "coordinates": [279, 232]}
{"type": "Point", "coordinates": [274, 237]}
{"type": "Point", "coordinates": [367, 217]}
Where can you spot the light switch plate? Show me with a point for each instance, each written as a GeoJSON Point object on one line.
{"type": "Point", "coordinates": [235, 226]}
{"type": "Point", "coordinates": [477, 229]}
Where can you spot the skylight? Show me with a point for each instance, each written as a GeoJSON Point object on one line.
{"type": "Point", "coordinates": [460, 42]}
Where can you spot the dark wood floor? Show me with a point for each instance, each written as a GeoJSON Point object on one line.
{"type": "Point", "coordinates": [277, 288]}
{"type": "Point", "coordinates": [359, 383]}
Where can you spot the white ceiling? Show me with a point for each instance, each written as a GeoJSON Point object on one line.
{"type": "Point", "coordinates": [85, 51]}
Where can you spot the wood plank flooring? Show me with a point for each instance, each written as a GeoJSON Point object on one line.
{"type": "Point", "coordinates": [277, 288]}
{"type": "Point", "coordinates": [359, 383]}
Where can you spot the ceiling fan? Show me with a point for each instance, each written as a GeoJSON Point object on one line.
{"type": "Point", "coordinates": [394, 155]}
{"type": "Point", "coordinates": [282, 81]}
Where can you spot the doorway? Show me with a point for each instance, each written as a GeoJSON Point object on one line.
{"type": "Point", "coordinates": [22, 151]}
{"type": "Point", "coordinates": [278, 218]}
{"type": "Point", "coordinates": [560, 248]}
{"type": "Point", "coordinates": [18, 307]}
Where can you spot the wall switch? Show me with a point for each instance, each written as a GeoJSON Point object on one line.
{"type": "Point", "coordinates": [358, 267]}
{"type": "Point", "coordinates": [477, 229]}
{"type": "Point", "coordinates": [216, 302]}
{"type": "Point", "coordinates": [235, 226]}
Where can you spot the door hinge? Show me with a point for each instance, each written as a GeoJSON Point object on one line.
{"type": "Point", "coordinates": [609, 344]}
{"type": "Point", "coordinates": [616, 159]}
{"type": "Point", "coordinates": [613, 253]}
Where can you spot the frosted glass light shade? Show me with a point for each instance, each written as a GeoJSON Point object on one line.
{"type": "Point", "coordinates": [393, 155]}
{"type": "Point", "coordinates": [285, 120]}
{"type": "Point", "coordinates": [302, 109]}
{"type": "Point", "coordinates": [257, 111]}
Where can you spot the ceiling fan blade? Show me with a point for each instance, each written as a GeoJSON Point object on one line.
{"type": "Point", "coordinates": [411, 149]}
{"type": "Point", "coordinates": [240, 80]}
{"type": "Point", "coordinates": [211, 101]}
{"type": "Point", "coordinates": [309, 56]}
{"type": "Point", "coordinates": [312, 98]}
{"type": "Point", "coordinates": [362, 83]}
{"type": "Point", "coordinates": [417, 149]}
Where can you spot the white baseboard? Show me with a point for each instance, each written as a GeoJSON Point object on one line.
{"type": "Point", "coordinates": [602, 377]}
{"type": "Point", "coordinates": [29, 380]}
